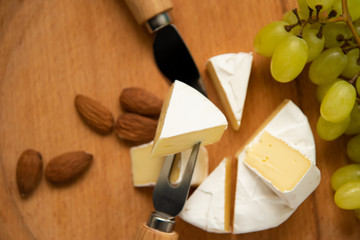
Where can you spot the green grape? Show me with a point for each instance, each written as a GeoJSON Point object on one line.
{"type": "Point", "coordinates": [338, 102]}
{"type": "Point", "coordinates": [325, 4]}
{"type": "Point", "coordinates": [269, 36]}
{"type": "Point", "coordinates": [316, 26]}
{"type": "Point", "coordinates": [296, 30]}
{"type": "Point", "coordinates": [353, 6]}
{"type": "Point", "coordinates": [330, 131]}
{"type": "Point", "coordinates": [326, 67]}
{"type": "Point", "coordinates": [315, 44]}
{"type": "Point", "coordinates": [357, 26]}
{"type": "Point", "coordinates": [290, 17]}
{"type": "Point", "coordinates": [354, 126]}
{"type": "Point", "coordinates": [352, 67]}
{"type": "Point", "coordinates": [344, 175]}
{"type": "Point", "coordinates": [289, 59]}
{"type": "Point", "coordinates": [358, 85]}
{"type": "Point", "coordinates": [348, 195]}
{"type": "Point", "coordinates": [357, 213]}
{"type": "Point", "coordinates": [321, 90]}
{"type": "Point", "coordinates": [331, 32]}
{"type": "Point", "coordinates": [304, 10]}
{"type": "Point", "coordinates": [353, 148]}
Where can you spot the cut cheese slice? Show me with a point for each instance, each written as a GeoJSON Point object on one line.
{"type": "Point", "coordinates": [230, 75]}
{"type": "Point", "coordinates": [209, 207]}
{"type": "Point", "coordinates": [258, 206]}
{"type": "Point", "coordinates": [286, 171]}
{"type": "Point", "coordinates": [187, 117]}
{"type": "Point", "coordinates": [146, 169]}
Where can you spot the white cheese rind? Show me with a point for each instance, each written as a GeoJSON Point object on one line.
{"type": "Point", "coordinates": [146, 169]}
{"type": "Point", "coordinates": [231, 74]}
{"type": "Point", "coordinates": [257, 207]}
{"type": "Point", "coordinates": [205, 208]}
{"type": "Point", "coordinates": [188, 118]}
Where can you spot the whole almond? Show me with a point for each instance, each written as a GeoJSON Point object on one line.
{"type": "Point", "coordinates": [67, 167]}
{"type": "Point", "coordinates": [28, 172]}
{"type": "Point", "coordinates": [135, 128]}
{"type": "Point", "coordinates": [141, 101]}
{"type": "Point", "coordinates": [94, 114]}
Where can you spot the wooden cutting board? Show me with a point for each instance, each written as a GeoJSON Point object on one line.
{"type": "Point", "coordinates": [52, 50]}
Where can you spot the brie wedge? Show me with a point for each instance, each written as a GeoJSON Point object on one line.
{"type": "Point", "coordinates": [230, 75]}
{"type": "Point", "coordinates": [146, 169]}
{"type": "Point", "coordinates": [186, 118]}
{"type": "Point", "coordinates": [286, 171]}
{"type": "Point", "coordinates": [208, 207]}
{"type": "Point", "coordinates": [258, 206]}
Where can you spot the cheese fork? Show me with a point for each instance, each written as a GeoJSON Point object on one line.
{"type": "Point", "coordinates": [168, 200]}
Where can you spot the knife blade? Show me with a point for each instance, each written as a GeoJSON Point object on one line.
{"type": "Point", "coordinates": [170, 51]}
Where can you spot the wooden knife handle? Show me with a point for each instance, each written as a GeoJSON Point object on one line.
{"type": "Point", "coordinates": [146, 233]}
{"type": "Point", "coordinates": [144, 10]}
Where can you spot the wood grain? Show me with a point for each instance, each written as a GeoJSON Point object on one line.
{"type": "Point", "coordinates": [144, 10]}
{"type": "Point", "coordinates": [146, 233]}
{"type": "Point", "coordinates": [52, 50]}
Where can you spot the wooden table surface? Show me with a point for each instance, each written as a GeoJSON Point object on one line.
{"type": "Point", "coordinates": [52, 50]}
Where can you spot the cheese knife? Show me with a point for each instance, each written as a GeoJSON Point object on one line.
{"type": "Point", "coordinates": [171, 54]}
{"type": "Point", "coordinates": [168, 201]}
{"type": "Point", "coordinates": [176, 63]}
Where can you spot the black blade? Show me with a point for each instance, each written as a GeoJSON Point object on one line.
{"type": "Point", "coordinates": [174, 59]}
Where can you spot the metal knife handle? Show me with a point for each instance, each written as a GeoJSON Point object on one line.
{"type": "Point", "coordinates": [146, 233]}
{"type": "Point", "coordinates": [144, 10]}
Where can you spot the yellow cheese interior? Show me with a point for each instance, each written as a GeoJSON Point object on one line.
{"type": "Point", "coordinates": [162, 116]}
{"type": "Point", "coordinates": [175, 170]}
{"type": "Point", "coordinates": [263, 125]}
{"type": "Point", "coordinates": [170, 145]}
{"type": "Point", "coordinates": [277, 162]}
{"type": "Point", "coordinates": [145, 169]}
{"type": "Point", "coordinates": [227, 209]}
{"type": "Point", "coordinates": [223, 97]}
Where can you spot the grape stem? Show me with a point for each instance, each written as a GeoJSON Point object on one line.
{"type": "Point", "coordinates": [348, 48]}
{"type": "Point", "coordinates": [299, 23]}
{"type": "Point", "coordinates": [352, 80]}
{"type": "Point", "coordinates": [346, 17]}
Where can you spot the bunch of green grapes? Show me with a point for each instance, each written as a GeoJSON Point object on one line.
{"type": "Point", "coordinates": [346, 184]}
{"type": "Point", "coordinates": [325, 35]}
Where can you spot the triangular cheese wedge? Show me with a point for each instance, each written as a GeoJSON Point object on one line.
{"type": "Point", "coordinates": [146, 169]}
{"type": "Point", "coordinates": [208, 207]}
{"type": "Point", "coordinates": [260, 203]}
{"type": "Point", "coordinates": [291, 175]}
{"type": "Point", "coordinates": [187, 117]}
{"type": "Point", "coordinates": [230, 75]}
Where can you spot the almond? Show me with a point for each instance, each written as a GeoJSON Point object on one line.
{"type": "Point", "coordinates": [94, 114]}
{"type": "Point", "coordinates": [28, 172]}
{"type": "Point", "coordinates": [138, 100]}
{"type": "Point", "coordinates": [67, 167]}
{"type": "Point", "coordinates": [135, 128]}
